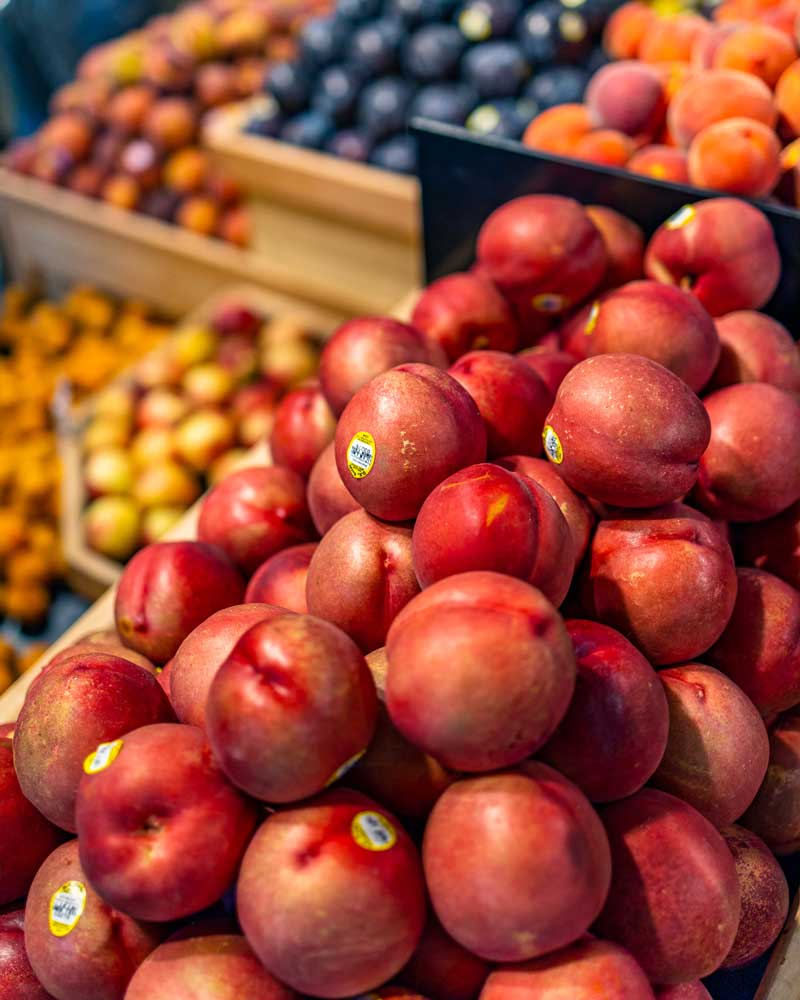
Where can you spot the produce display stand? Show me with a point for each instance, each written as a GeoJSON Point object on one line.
{"type": "Point", "coordinates": [323, 264]}
{"type": "Point", "coordinates": [89, 572]}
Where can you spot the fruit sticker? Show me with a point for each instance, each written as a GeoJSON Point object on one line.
{"type": "Point", "coordinates": [681, 218]}
{"type": "Point", "coordinates": [373, 832]}
{"type": "Point", "coordinates": [549, 302]}
{"type": "Point", "coordinates": [361, 454]}
{"type": "Point", "coordinates": [552, 445]}
{"type": "Point", "coordinates": [66, 908]}
{"type": "Point", "coordinates": [591, 322]}
{"type": "Point", "coordinates": [340, 772]}
{"type": "Point", "coordinates": [99, 759]}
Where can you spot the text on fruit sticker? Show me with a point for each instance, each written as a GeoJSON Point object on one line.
{"type": "Point", "coordinates": [361, 454]}
{"type": "Point", "coordinates": [340, 772]}
{"type": "Point", "coordinates": [373, 832]}
{"type": "Point", "coordinates": [681, 218]}
{"type": "Point", "coordinates": [549, 302]}
{"type": "Point", "coordinates": [66, 908]}
{"type": "Point", "coordinates": [594, 316]}
{"type": "Point", "coordinates": [552, 445]}
{"type": "Point", "coordinates": [99, 759]}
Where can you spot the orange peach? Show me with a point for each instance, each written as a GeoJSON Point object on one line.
{"type": "Point", "coordinates": [716, 94]}
{"type": "Point", "coordinates": [628, 97]}
{"type": "Point", "coordinates": [670, 39]}
{"type": "Point", "coordinates": [606, 146]}
{"type": "Point", "coordinates": [758, 49]}
{"type": "Point", "coordinates": [170, 123]}
{"type": "Point", "coordinates": [128, 108]}
{"type": "Point", "coordinates": [663, 163]}
{"type": "Point", "coordinates": [559, 129]}
{"type": "Point", "coordinates": [185, 170]}
{"type": "Point", "coordinates": [787, 98]}
{"type": "Point", "coordinates": [626, 28]}
{"type": "Point", "coordinates": [198, 213]}
{"type": "Point", "coordinates": [737, 155]}
{"type": "Point", "coordinates": [121, 191]}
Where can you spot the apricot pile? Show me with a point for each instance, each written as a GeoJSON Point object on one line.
{"type": "Point", "coordinates": [415, 718]}
{"type": "Point", "coordinates": [713, 104]}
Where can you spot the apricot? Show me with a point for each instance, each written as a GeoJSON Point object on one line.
{"type": "Point", "coordinates": [722, 250]}
{"type": "Point", "coordinates": [775, 813]}
{"type": "Point", "coordinates": [624, 243]}
{"type": "Point", "coordinates": [760, 647]}
{"type": "Point", "coordinates": [629, 97]}
{"type": "Point", "coordinates": [774, 545]}
{"type": "Point", "coordinates": [626, 28]}
{"type": "Point", "coordinates": [68, 131]}
{"type": "Point", "coordinates": [663, 163]}
{"type": "Point", "coordinates": [470, 680]}
{"type": "Point", "coordinates": [675, 900]}
{"type": "Point", "coordinates": [368, 346]}
{"type": "Point", "coordinates": [626, 431]}
{"type": "Point", "coordinates": [185, 171]}
{"type": "Point", "coordinates": [304, 426]}
{"type": "Point", "coordinates": [121, 191]}
{"type": "Point", "coordinates": [199, 213]}
{"type": "Point", "coordinates": [513, 401]}
{"type": "Point", "coordinates": [657, 321]}
{"type": "Point", "coordinates": [402, 434]}
{"type": "Point", "coordinates": [575, 971]}
{"type": "Point", "coordinates": [765, 896]}
{"type": "Point", "coordinates": [465, 312]}
{"type": "Point", "coordinates": [281, 580]}
{"type": "Point", "coordinates": [440, 967]}
{"type": "Point", "coordinates": [787, 98]}
{"type": "Point", "coordinates": [664, 578]}
{"type": "Point", "coordinates": [487, 836]}
{"type": "Point", "coordinates": [127, 109]}
{"type": "Point", "coordinates": [608, 147]}
{"type": "Point", "coordinates": [170, 123]}
{"type": "Point", "coordinates": [559, 129]}
{"type": "Point", "coordinates": [737, 155]}
{"type": "Point", "coordinates": [328, 497]}
{"type": "Point", "coordinates": [254, 513]}
{"type": "Point", "coordinates": [671, 39]}
{"type": "Point", "coordinates": [616, 692]}
{"type": "Point", "coordinates": [758, 49]}
{"type": "Point", "coordinates": [716, 94]}
{"type": "Point", "coordinates": [235, 226]}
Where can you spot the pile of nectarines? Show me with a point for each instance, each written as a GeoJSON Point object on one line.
{"type": "Point", "coordinates": [346, 742]}
{"type": "Point", "coordinates": [714, 104]}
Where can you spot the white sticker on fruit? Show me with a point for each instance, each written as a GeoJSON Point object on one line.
{"type": "Point", "coordinates": [681, 218]}
{"type": "Point", "coordinates": [361, 454]}
{"type": "Point", "coordinates": [340, 772]}
{"type": "Point", "coordinates": [102, 757]}
{"type": "Point", "coordinates": [66, 908]}
{"type": "Point", "coordinates": [552, 445]}
{"type": "Point", "coordinates": [549, 302]}
{"type": "Point", "coordinates": [373, 832]}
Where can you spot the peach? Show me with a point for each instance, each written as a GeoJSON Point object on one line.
{"type": "Point", "coordinates": [674, 901]}
{"type": "Point", "coordinates": [787, 98]}
{"type": "Point", "coordinates": [671, 39]}
{"type": "Point", "coordinates": [487, 836]}
{"type": "Point", "coordinates": [774, 545]}
{"type": "Point", "coordinates": [718, 748]}
{"type": "Point", "coordinates": [361, 576]}
{"type": "Point", "coordinates": [657, 321]}
{"type": "Point", "coordinates": [402, 434]}
{"type": "Point", "coordinates": [465, 312]}
{"type": "Point", "coordinates": [161, 407]}
{"type": "Point", "coordinates": [756, 348]}
{"type": "Point", "coordinates": [663, 163]}
{"type": "Point", "coordinates": [626, 28]}
{"type": "Point", "coordinates": [626, 431]}
{"type": "Point", "coordinates": [624, 243]}
{"type": "Point", "coordinates": [199, 213]}
{"type": "Point", "coordinates": [441, 968]}
{"type": "Point", "coordinates": [683, 991]}
{"type": "Point", "coordinates": [87, 179]}
{"type": "Point", "coordinates": [170, 123]}
{"type": "Point", "coordinates": [775, 813]}
{"type": "Point", "coordinates": [716, 94]}
{"type": "Point", "coordinates": [737, 155]}
{"type": "Point", "coordinates": [765, 896]}
{"type": "Point", "coordinates": [208, 384]}
{"type": "Point", "coordinates": [751, 469]}
{"type": "Point", "coordinates": [370, 345]}
{"type": "Point", "coordinates": [577, 971]}
{"type": "Point", "coordinates": [121, 191]}
{"type": "Point", "coordinates": [185, 170]}
{"type": "Point", "coordinates": [543, 249]}
{"type": "Point", "coordinates": [352, 858]}
{"type": "Point", "coordinates": [628, 96]}
{"type": "Point", "coordinates": [27, 837]}
{"type": "Point", "coordinates": [17, 979]}
{"type": "Point", "coordinates": [71, 708]}
{"type": "Point", "coordinates": [722, 250]}
{"type": "Point", "coordinates": [254, 513]}
{"type": "Point", "coordinates": [203, 436]}
{"type": "Point", "coordinates": [69, 131]}
{"type": "Point", "coordinates": [616, 692]}
{"type": "Point", "coordinates": [281, 580]}
{"type": "Point", "coordinates": [550, 365]}
{"type": "Point", "coordinates": [488, 518]}
{"type": "Point", "coordinates": [236, 226]}
{"type": "Point", "coordinates": [161, 806]}
{"type": "Point", "coordinates": [166, 483]}
{"type": "Point", "coordinates": [577, 512]}
{"type": "Point", "coordinates": [605, 146]}
{"type": "Point", "coordinates": [513, 401]}
{"type": "Point", "coordinates": [760, 647]}
{"type": "Point", "coordinates": [224, 963]}
{"type": "Point", "coordinates": [758, 49]}
{"type": "Point", "coordinates": [112, 526]}
{"type": "Point", "coordinates": [204, 650]}
{"type": "Point", "coordinates": [304, 426]}
{"type": "Point", "coordinates": [328, 497]}
{"type": "Point", "coordinates": [215, 84]}
{"type": "Point", "coordinates": [127, 109]}
{"type": "Point", "coordinates": [481, 671]}
{"type": "Point", "coordinates": [559, 129]}
{"type": "Point", "coordinates": [395, 772]}
{"type": "Point", "coordinates": [77, 943]}
{"type": "Point", "coordinates": [664, 578]}
{"type": "Point", "coordinates": [167, 589]}
{"type": "Point", "coordinates": [291, 708]}
{"type": "Point", "coordinates": [104, 641]}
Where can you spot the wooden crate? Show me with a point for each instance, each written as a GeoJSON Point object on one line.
{"type": "Point", "coordinates": [89, 572]}
{"type": "Point", "coordinates": [305, 258]}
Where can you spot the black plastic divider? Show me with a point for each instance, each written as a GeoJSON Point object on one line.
{"type": "Point", "coordinates": [464, 178]}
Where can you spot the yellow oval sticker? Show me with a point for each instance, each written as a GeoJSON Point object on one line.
{"type": "Point", "coordinates": [594, 316]}
{"type": "Point", "coordinates": [340, 772]}
{"type": "Point", "coordinates": [681, 218]}
{"type": "Point", "coordinates": [549, 302]}
{"type": "Point", "coordinates": [99, 759]}
{"type": "Point", "coordinates": [361, 454]}
{"type": "Point", "coordinates": [373, 832]}
{"type": "Point", "coordinates": [552, 445]}
{"type": "Point", "coordinates": [66, 908]}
